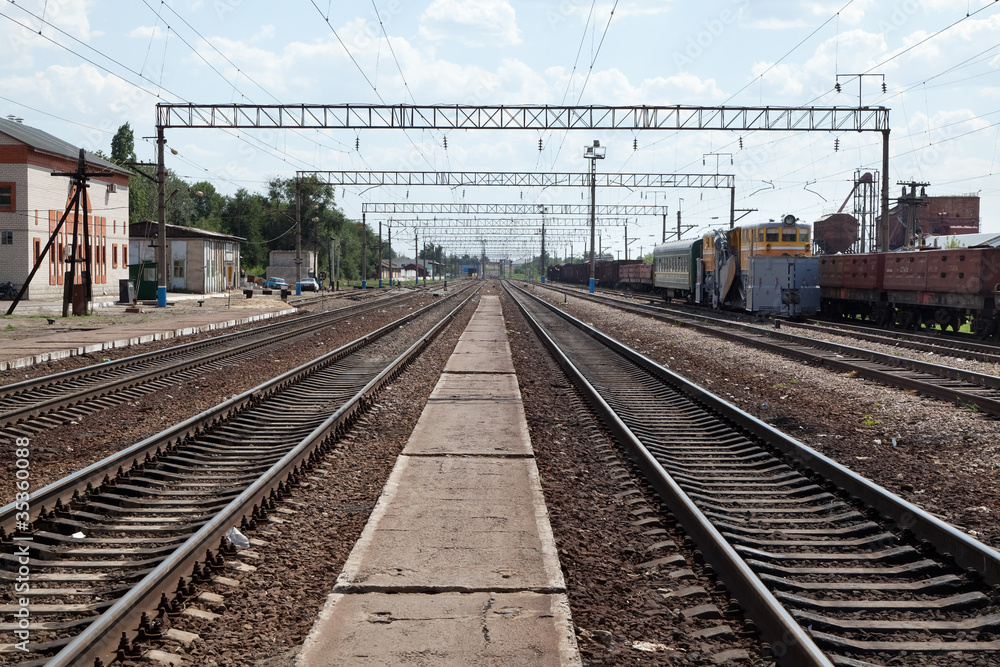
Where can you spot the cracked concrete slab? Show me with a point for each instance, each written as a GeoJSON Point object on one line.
{"type": "Point", "coordinates": [444, 630]}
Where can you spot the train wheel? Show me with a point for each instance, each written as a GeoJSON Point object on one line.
{"type": "Point", "coordinates": [942, 317]}
{"type": "Point", "coordinates": [884, 315]}
{"type": "Point", "coordinates": [984, 327]}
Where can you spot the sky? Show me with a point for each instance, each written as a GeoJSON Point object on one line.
{"type": "Point", "coordinates": [81, 68]}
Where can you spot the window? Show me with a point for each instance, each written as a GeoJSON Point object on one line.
{"type": "Point", "coordinates": [114, 255]}
{"type": "Point", "coordinates": [8, 198]}
{"type": "Point", "coordinates": [124, 255]}
{"type": "Point", "coordinates": [178, 268]}
{"type": "Point", "coordinates": [772, 235]}
{"type": "Point", "coordinates": [788, 235]}
{"type": "Point", "coordinates": [6, 238]}
{"type": "Point", "coordinates": [38, 249]}
{"type": "Point", "coordinates": [804, 236]}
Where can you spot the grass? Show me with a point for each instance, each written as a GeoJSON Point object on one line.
{"type": "Point", "coordinates": [783, 385]}
{"type": "Point", "coordinates": [869, 421]}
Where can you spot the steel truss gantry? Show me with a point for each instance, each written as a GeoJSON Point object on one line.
{"type": "Point", "coordinates": [509, 117]}
{"type": "Point", "coordinates": [456, 179]}
{"type": "Point", "coordinates": [520, 117]}
{"type": "Point", "coordinates": [492, 223]}
{"type": "Point", "coordinates": [612, 210]}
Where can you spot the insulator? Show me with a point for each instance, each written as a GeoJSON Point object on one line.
{"type": "Point", "coordinates": [741, 143]}
{"type": "Point", "coordinates": [539, 145]}
{"type": "Point", "coordinates": [836, 145]}
{"type": "Point", "coordinates": [836, 86]}
{"type": "Point", "coordinates": [635, 144]}
{"type": "Point", "coordinates": [445, 142]}
{"type": "Point", "coordinates": [883, 87]}
{"type": "Point", "coordinates": [357, 143]}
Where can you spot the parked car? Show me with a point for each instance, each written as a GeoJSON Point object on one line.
{"type": "Point", "coordinates": [275, 283]}
{"type": "Point", "coordinates": [310, 285]}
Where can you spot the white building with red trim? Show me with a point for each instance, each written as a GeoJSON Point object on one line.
{"type": "Point", "coordinates": [32, 201]}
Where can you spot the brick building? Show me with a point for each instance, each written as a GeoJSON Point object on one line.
{"type": "Point", "coordinates": [32, 201]}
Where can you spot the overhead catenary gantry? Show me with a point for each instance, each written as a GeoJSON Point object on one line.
{"type": "Point", "coordinates": [504, 223]}
{"type": "Point", "coordinates": [511, 117]}
{"type": "Point", "coordinates": [508, 209]}
{"type": "Point", "coordinates": [520, 117]}
{"type": "Point", "coordinates": [456, 179]}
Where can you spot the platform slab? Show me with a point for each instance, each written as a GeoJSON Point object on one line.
{"type": "Point", "coordinates": [456, 524]}
{"type": "Point", "coordinates": [476, 356]}
{"type": "Point", "coordinates": [472, 415]}
{"type": "Point", "coordinates": [444, 630]}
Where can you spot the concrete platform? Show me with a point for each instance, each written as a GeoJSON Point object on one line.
{"type": "Point", "coordinates": [105, 332]}
{"type": "Point", "coordinates": [457, 565]}
{"type": "Point", "coordinates": [478, 629]}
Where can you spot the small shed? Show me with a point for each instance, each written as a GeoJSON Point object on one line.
{"type": "Point", "coordinates": [200, 261]}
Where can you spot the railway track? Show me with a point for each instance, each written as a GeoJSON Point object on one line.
{"type": "Point", "coordinates": [959, 346]}
{"type": "Point", "coordinates": [31, 406]}
{"type": "Point", "coordinates": [953, 346]}
{"type": "Point", "coordinates": [116, 549]}
{"type": "Point", "coordinates": [962, 387]}
{"type": "Point", "coordinates": [831, 568]}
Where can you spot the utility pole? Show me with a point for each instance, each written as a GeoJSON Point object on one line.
{"type": "Point", "coordinates": [161, 231]}
{"type": "Point", "coordinates": [298, 238]}
{"type": "Point", "coordinates": [416, 259]}
{"type": "Point", "coordinates": [364, 252]}
{"type": "Point", "coordinates": [390, 256]}
{"type": "Point", "coordinates": [593, 153]}
{"type": "Point", "coordinates": [679, 201]}
{"type": "Point", "coordinates": [626, 241]}
{"type": "Point", "coordinates": [543, 252]}
{"type": "Point", "coordinates": [79, 190]}
{"type": "Point", "coordinates": [333, 263]}
{"type": "Point", "coordinates": [381, 253]}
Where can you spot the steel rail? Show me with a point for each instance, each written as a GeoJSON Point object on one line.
{"type": "Point", "coordinates": [943, 343]}
{"type": "Point", "coordinates": [272, 332]}
{"type": "Point", "coordinates": [966, 551]}
{"type": "Point", "coordinates": [774, 622]}
{"type": "Point", "coordinates": [133, 456]}
{"type": "Point", "coordinates": [101, 638]}
{"type": "Point", "coordinates": [758, 337]}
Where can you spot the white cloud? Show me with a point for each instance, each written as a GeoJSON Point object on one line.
{"type": "Point", "coordinates": [474, 23]}
{"type": "Point", "coordinates": [772, 23]}
{"type": "Point", "coordinates": [147, 32]}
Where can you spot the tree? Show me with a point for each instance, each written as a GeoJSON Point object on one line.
{"type": "Point", "coordinates": [141, 191]}
{"type": "Point", "coordinates": [123, 146]}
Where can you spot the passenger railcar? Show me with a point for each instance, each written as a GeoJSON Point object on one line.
{"type": "Point", "coordinates": [675, 269]}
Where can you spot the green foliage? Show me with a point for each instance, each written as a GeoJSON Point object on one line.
{"type": "Point", "coordinates": [264, 220]}
{"type": "Point", "coordinates": [123, 145]}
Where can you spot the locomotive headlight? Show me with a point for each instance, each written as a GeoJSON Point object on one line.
{"type": "Point", "coordinates": [788, 220]}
